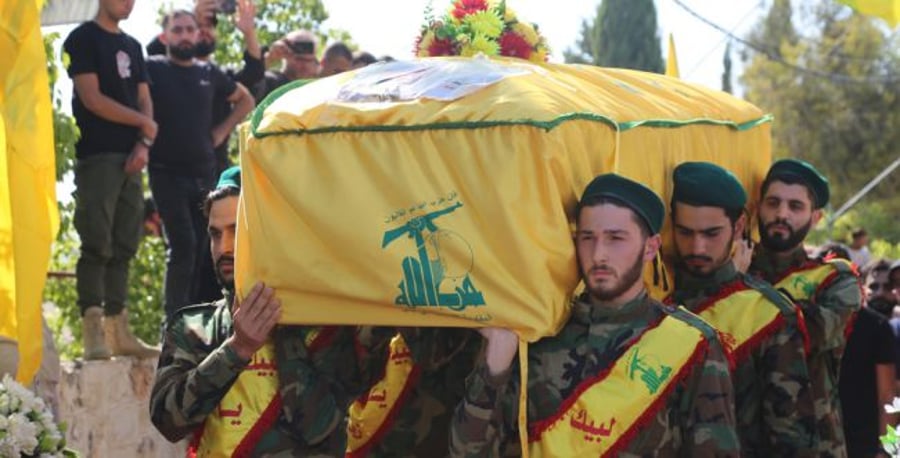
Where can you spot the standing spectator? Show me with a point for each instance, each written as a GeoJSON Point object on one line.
{"type": "Point", "coordinates": [337, 59]}
{"type": "Point", "coordinates": [867, 376]}
{"type": "Point", "coordinates": [894, 281]}
{"type": "Point", "coordinates": [114, 111]}
{"type": "Point", "coordinates": [859, 248]}
{"type": "Point", "coordinates": [297, 53]}
{"type": "Point", "coordinates": [207, 288]}
{"type": "Point", "coordinates": [182, 161]}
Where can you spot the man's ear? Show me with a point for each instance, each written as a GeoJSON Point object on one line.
{"type": "Point", "coordinates": [162, 38]}
{"type": "Point", "coordinates": [816, 216]}
{"type": "Point", "coordinates": [651, 247]}
{"type": "Point", "coordinates": [740, 225]}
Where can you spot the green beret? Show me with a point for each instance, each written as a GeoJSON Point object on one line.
{"type": "Point", "coordinates": [231, 177]}
{"type": "Point", "coordinates": [704, 184]}
{"type": "Point", "coordinates": [641, 199]}
{"type": "Point", "coordinates": [795, 170]}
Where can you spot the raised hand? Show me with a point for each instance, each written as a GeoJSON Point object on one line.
{"type": "Point", "coordinates": [502, 346]}
{"type": "Point", "coordinates": [254, 317]}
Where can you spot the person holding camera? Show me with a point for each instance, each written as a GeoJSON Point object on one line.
{"type": "Point", "coordinates": [297, 53]}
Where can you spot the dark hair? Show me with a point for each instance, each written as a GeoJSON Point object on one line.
{"type": "Point", "coordinates": [858, 233]}
{"type": "Point", "coordinates": [876, 266]}
{"type": "Point", "coordinates": [787, 179]}
{"type": "Point", "coordinates": [364, 58]}
{"type": "Point", "coordinates": [219, 194]}
{"type": "Point", "coordinates": [338, 49]}
{"type": "Point", "coordinates": [176, 14]}
{"type": "Point", "coordinates": [593, 201]}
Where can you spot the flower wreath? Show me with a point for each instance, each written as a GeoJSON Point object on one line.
{"type": "Point", "coordinates": [480, 26]}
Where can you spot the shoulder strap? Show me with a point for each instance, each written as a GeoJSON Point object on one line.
{"type": "Point", "coordinates": [778, 297]}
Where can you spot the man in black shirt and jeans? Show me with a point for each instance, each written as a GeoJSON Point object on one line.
{"type": "Point", "coordinates": [182, 160]}
{"type": "Point", "coordinates": [866, 383]}
{"type": "Point", "coordinates": [113, 110]}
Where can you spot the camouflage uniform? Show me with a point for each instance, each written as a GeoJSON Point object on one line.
{"type": "Point", "coordinates": [697, 419]}
{"type": "Point", "coordinates": [827, 315]}
{"type": "Point", "coordinates": [196, 369]}
{"type": "Point", "coordinates": [773, 401]}
{"type": "Point", "coordinates": [445, 357]}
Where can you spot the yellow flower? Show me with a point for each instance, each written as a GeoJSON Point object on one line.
{"type": "Point", "coordinates": [485, 23]}
{"type": "Point", "coordinates": [425, 43]}
{"type": "Point", "coordinates": [509, 15]}
{"type": "Point", "coordinates": [480, 44]}
{"type": "Point", "coordinates": [462, 38]}
{"type": "Point", "coordinates": [539, 55]}
{"type": "Point", "coordinates": [527, 32]}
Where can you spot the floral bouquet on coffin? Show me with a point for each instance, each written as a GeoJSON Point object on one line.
{"type": "Point", "coordinates": [480, 26]}
{"type": "Point", "coordinates": [27, 427]}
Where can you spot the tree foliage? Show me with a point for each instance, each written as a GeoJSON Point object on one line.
{"type": "Point", "coordinates": [835, 95]}
{"type": "Point", "coordinates": [623, 34]}
{"type": "Point", "coordinates": [274, 19]}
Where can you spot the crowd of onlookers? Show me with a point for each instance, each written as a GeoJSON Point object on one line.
{"type": "Point", "coordinates": [171, 113]}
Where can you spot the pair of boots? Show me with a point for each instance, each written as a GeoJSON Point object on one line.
{"type": "Point", "coordinates": [110, 336]}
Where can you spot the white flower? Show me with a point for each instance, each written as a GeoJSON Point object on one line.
{"type": "Point", "coordinates": [893, 407]}
{"type": "Point", "coordinates": [19, 434]}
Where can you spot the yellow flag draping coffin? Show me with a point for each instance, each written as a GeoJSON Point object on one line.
{"type": "Point", "coordinates": [441, 192]}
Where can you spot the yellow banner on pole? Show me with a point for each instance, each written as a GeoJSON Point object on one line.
{"type": "Point", "coordinates": [441, 192]}
{"type": "Point", "coordinates": [672, 60]}
{"type": "Point", "coordinates": [889, 10]}
{"type": "Point", "coordinates": [29, 219]}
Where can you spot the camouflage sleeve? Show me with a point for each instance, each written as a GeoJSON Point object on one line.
{"type": "Point", "coordinates": [789, 421]}
{"type": "Point", "coordinates": [190, 381]}
{"type": "Point", "coordinates": [432, 348]}
{"type": "Point", "coordinates": [485, 418]}
{"type": "Point", "coordinates": [710, 428]}
{"type": "Point", "coordinates": [830, 316]}
{"type": "Point", "coordinates": [318, 383]}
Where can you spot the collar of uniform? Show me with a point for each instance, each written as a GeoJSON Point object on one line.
{"type": "Point", "coordinates": [769, 265]}
{"type": "Point", "coordinates": [689, 286]}
{"type": "Point", "coordinates": [229, 299]}
{"type": "Point", "coordinates": [587, 312]}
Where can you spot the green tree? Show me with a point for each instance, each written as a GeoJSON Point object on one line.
{"type": "Point", "coordinates": [834, 95]}
{"type": "Point", "coordinates": [624, 34]}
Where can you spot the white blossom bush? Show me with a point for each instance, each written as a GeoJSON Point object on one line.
{"type": "Point", "coordinates": [27, 428]}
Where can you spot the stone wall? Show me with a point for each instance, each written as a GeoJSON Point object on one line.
{"type": "Point", "coordinates": [106, 407]}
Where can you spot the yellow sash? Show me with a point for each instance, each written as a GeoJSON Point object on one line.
{"type": "Point", "coordinates": [606, 412]}
{"type": "Point", "coordinates": [372, 415]}
{"type": "Point", "coordinates": [743, 317]}
{"type": "Point", "coordinates": [803, 283]}
{"type": "Point", "coordinates": [245, 413]}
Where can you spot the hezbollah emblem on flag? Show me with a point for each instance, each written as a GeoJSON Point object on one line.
{"type": "Point", "coordinates": [437, 271]}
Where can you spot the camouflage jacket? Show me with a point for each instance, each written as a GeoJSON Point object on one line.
{"type": "Point", "coordinates": [773, 401]}
{"type": "Point", "coordinates": [445, 357]}
{"type": "Point", "coordinates": [828, 315]}
{"type": "Point", "coordinates": [196, 369]}
{"type": "Point", "coordinates": [697, 418]}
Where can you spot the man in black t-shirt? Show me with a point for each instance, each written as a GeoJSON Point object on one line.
{"type": "Point", "coordinates": [866, 383]}
{"type": "Point", "coordinates": [182, 160]}
{"type": "Point", "coordinates": [114, 111]}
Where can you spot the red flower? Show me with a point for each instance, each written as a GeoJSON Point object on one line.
{"type": "Point", "coordinates": [441, 47]}
{"type": "Point", "coordinates": [463, 8]}
{"type": "Point", "coordinates": [513, 45]}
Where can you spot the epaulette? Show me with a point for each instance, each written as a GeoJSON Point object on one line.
{"type": "Point", "coordinates": [680, 312]}
{"type": "Point", "coordinates": [843, 266]}
{"type": "Point", "coordinates": [784, 303]}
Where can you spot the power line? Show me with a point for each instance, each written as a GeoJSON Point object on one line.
{"type": "Point", "coordinates": [838, 77]}
{"type": "Point", "coordinates": [724, 38]}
